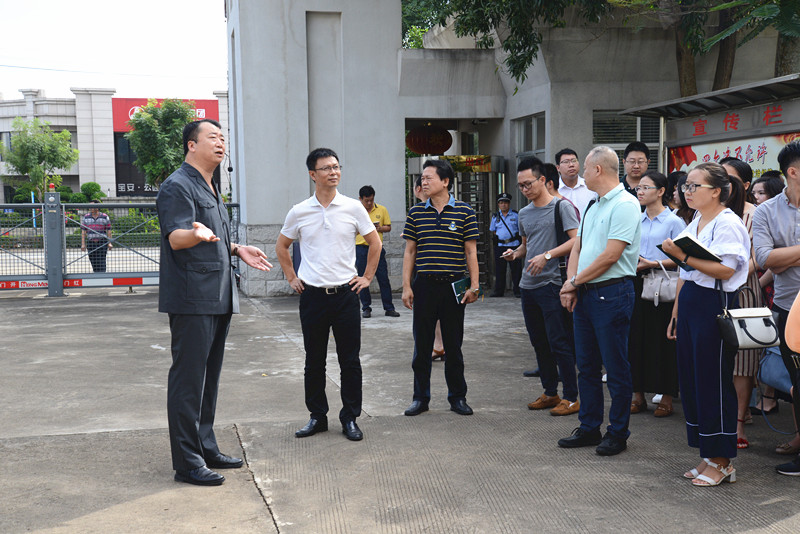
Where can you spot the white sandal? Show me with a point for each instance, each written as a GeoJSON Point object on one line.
{"type": "Point", "coordinates": [728, 473]}
{"type": "Point", "coordinates": [694, 473]}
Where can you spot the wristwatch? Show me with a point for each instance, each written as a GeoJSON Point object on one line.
{"type": "Point", "coordinates": [475, 290]}
{"type": "Point", "coordinates": [572, 280]}
{"type": "Point", "coordinates": [548, 256]}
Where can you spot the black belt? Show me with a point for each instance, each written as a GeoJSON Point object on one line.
{"type": "Point", "coordinates": [330, 290]}
{"type": "Point", "coordinates": [442, 277]}
{"type": "Point", "coordinates": [606, 283]}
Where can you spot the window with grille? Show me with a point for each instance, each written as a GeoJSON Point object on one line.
{"type": "Point", "coordinates": [617, 131]}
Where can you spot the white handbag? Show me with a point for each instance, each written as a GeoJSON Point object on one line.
{"type": "Point", "coordinates": [660, 286]}
{"type": "Point", "coordinates": [746, 328]}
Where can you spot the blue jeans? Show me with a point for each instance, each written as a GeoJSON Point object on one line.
{"type": "Point", "coordinates": [382, 274]}
{"type": "Point", "coordinates": [549, 328]}
{"type": "Point", "coordinates": [602, 323]}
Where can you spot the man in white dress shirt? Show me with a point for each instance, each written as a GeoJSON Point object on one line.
{"type": "Point", "coordinates": [573, 186]}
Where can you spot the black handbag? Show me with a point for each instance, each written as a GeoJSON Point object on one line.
{"type": "Point", "coordinates": [746, 328]}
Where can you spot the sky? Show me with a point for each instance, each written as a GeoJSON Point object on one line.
{"type": "Point", "coordinates": [141, 48]}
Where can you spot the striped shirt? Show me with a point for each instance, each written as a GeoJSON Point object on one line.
{"type": "Point", "coordinates": [440, 237]}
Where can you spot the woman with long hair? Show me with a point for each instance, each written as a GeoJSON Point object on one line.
{"type": "Point", "coordinates": [747, 360]}
{"type": "Point", "coordinates": [679, 198]}
{"type": "Point", "coordinates": [654, 366]}
{"type": "Point", "coordinates": [705, 368]}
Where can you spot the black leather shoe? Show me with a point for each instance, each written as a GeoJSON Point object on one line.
{"type": "Point", "coordinates": [223, 461]}
{"type": "Point", "coordinates": [312, 427]}
{"type": "Point", "coordinates": [581, 438]}
{"type": "Point", "coordinates": [392, 313]}
{"type": "Point", "coordinates": [416, 408]}
{"type": "Point", "coordinates": [351, 430]}
{"type": "Point", "coordinates": [366, 314]}
{"type": "Point", "coordinates": [611, 445]}
{"type": "Point", "coordinates": [529, 374]}
{"type": "Point", "coordinates": [461, 407]}
{"type": "Point", "coordinates": [200, 476]}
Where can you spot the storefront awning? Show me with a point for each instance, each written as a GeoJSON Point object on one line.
{"type": "Point", "coordinates": [735, 97]}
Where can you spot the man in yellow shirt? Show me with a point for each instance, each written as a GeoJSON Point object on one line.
{"type": "Point", "coordinates": [380, 217]}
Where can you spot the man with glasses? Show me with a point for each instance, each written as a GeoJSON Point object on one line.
{"type": "Point", "coordinates": [600, 292]}
{"type": "Point", "coordinates": [326, 225]}
{"type": "Point", "coordinates": [549, 325]}
{"type": "Point", "coordinates": [636, 159]}
{"type": "Point", "coordinates": [573, 186]}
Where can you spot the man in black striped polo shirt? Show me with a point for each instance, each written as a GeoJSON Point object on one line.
{"type": "Point", "coordinates": [441, 240]}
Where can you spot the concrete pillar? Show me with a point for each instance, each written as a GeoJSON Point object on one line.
{"type": "Point", "coordinates": [95, 132]}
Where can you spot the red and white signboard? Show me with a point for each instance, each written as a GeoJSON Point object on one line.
{"type": "Point", "coordinates": [124, 108]}
{"type": "Point", "coordinates": [761, 153]}
{"type": "Point", "coordinates": [82, 282]}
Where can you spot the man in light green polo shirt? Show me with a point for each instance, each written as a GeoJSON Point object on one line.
{"type": "Point", "coordinates": [599, 291]}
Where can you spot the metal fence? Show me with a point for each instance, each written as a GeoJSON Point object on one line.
{"type": "Point", "coordinates": [48, 245]}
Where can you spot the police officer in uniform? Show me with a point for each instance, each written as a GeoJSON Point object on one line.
{"type": "Point", "coordinates": [505, 225]}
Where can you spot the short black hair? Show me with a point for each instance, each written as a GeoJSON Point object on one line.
{"type": "Point", "coordinates": [551, 175]}
{"type": "Point", "coordinates": [636, 146]}
{"type": "Point", "coordinates": [788, 156]}
{"type": "Point", "coordinates": [533, 163]}
{"type": "Point", "coordinates": [418, 182]}
{"type": "Point", "coordinates": [443, 170]}
{"type": "Point", "coordinates": [564, 152]}
{"type": "Point", "coordinates": [319, 153]}
{"type": "Point", "coordinates": [366, 191]}
{"type": "Point", "coordinates": [190, 132]}
{"type": "Point", "coordinates": [672, 179]}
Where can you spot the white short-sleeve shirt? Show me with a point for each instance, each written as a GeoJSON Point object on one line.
{"type": "Point", "coordinates": [327, 238]}
{"type": "Point", "coordinates": [727, 237]}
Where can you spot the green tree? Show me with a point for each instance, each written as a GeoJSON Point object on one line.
{"type": "Point", "coordinates": [92, 190]}
{"type": "Point", "coordinates": [157, 137]}
{"type": "Point", "coordinates": [518, 24]}
{"type": "Point", "coordinates": [36, 153]}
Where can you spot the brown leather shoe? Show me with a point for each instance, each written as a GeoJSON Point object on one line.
{"type": "Point", "coordinates": [566, 407]}
{"type": "Point", "coordinates": [544, 402]}
{"type": "Point", "coordinates": [663, 410]}
{"type": "Point", "coordinates": [638, 407]}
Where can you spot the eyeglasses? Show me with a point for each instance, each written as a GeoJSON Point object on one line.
{"type": "Point", "coordinates": [644, 188]}
{"type": "Point", "coordinates": [569, 162]}
{"type": "Point", "coordinates": [524, 185]}
{"type": "Point", "coordinates": [691, 188]}
{"type": "Point", "coordinates": [636, 162]}
{"type": "Point", "coordinates": [330, 168]}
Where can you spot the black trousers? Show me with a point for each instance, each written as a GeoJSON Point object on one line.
{"type": "Point", "coordinates": [436, 301]}
{"type": "Point", "coordinates": [319, 314]}
{"type": "Point", "coordinates": [198, 343]}
{"type": "Point", "coordinates": [500, 271]}
{"type": "Point", "coordinates": [97, 250]}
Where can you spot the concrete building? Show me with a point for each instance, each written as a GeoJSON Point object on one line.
{"type": "Point", "coordinates": [97, 122]}
{"type": "Point", "coordinates": [308, 73]}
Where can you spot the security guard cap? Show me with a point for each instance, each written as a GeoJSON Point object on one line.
{"type": "Point", "coordinates": [504, 197]}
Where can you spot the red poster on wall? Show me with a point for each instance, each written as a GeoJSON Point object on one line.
{"type": "Point", "coordinates": [124, 108]}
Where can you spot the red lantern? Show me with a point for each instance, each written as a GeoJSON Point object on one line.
{"type": "Point", "coordinates": [429, 139]}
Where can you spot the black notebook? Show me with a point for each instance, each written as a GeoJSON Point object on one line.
{"type": "Point", "coordinates": [692, 247]}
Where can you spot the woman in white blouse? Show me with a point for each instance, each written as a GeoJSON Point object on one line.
{"type": "Point", "coordinates": [705, 369]}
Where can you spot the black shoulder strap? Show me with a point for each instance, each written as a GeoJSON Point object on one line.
{"type": "Point", "coordinates": [560, 237]}
{"type": "Point", "coordinates": [583, 219]}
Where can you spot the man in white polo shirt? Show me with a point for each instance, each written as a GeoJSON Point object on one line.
{"type": "Point", "coordinates": [573, 186]}
{"type": "Point", "coordinates": [326, 225]}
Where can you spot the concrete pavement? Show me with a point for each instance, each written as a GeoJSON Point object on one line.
{"type": "Point", "coordinates": [84, 445]}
